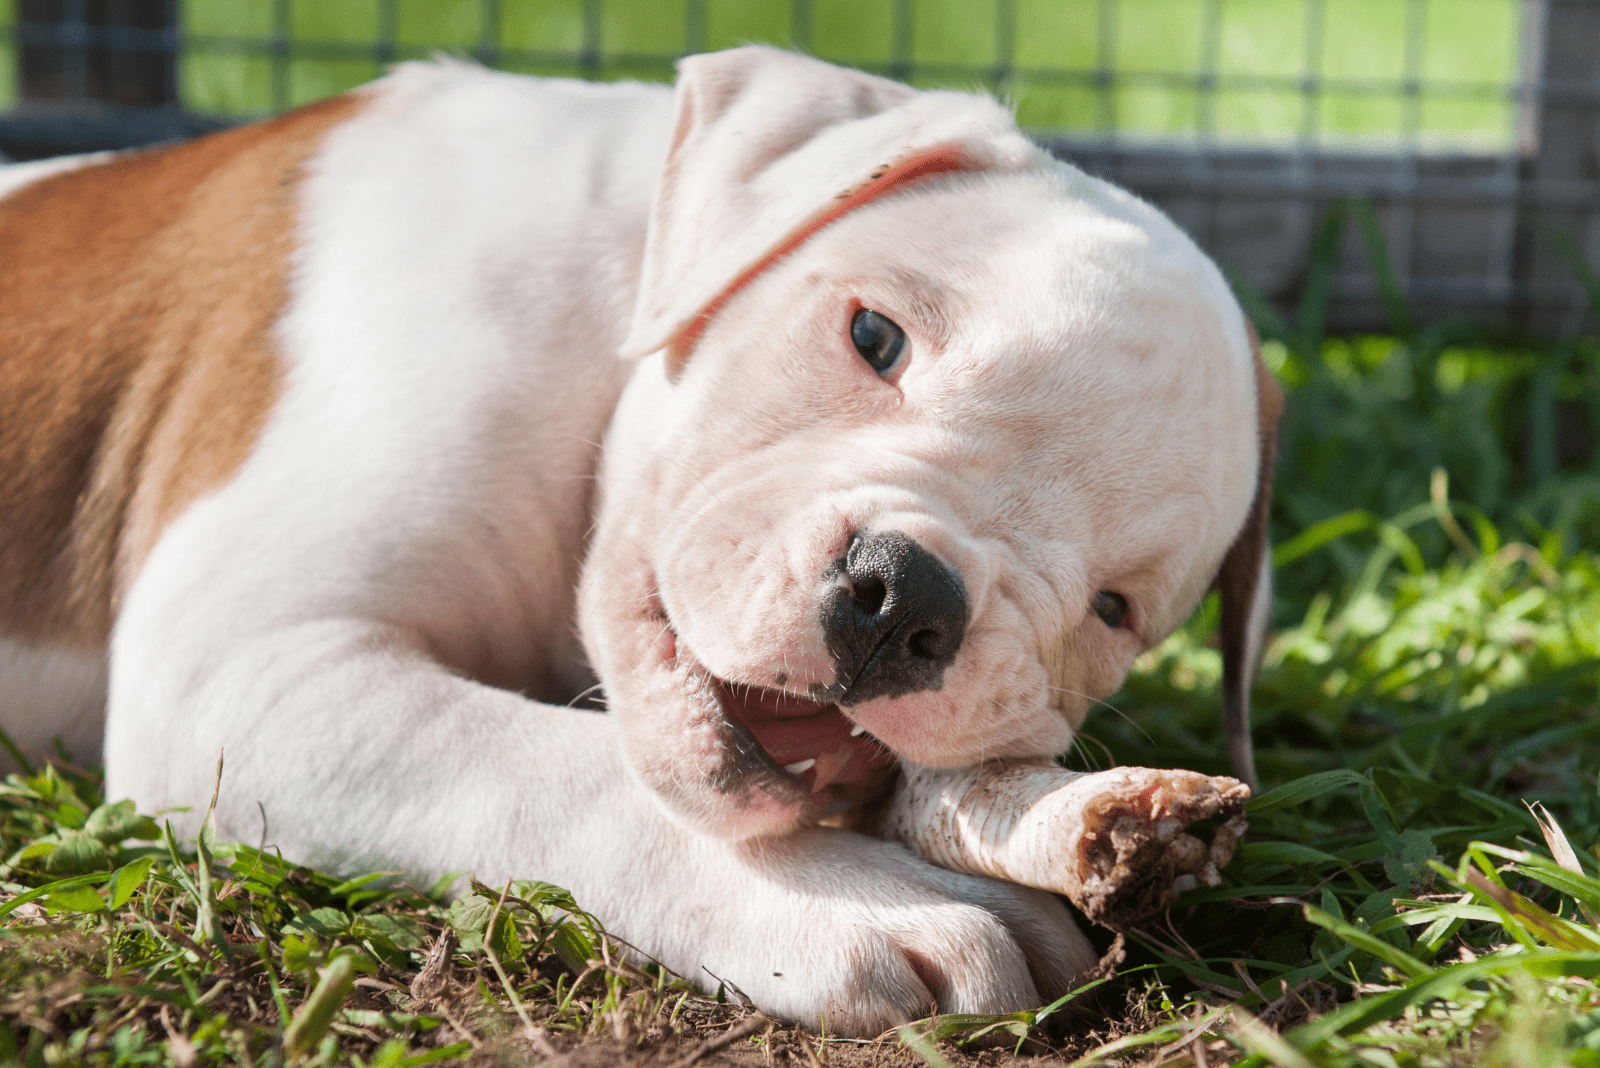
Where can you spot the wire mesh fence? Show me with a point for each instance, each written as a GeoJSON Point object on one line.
{"type": "Point", "coordinates": [1472, 126]}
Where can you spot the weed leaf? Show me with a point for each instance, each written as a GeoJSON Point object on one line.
{"type": "Point", "coordinates": [76, 852]}
{"type": "Point", "coordinates": [128, 878]}
{"type": "Point", "coordinates": [112, 824]}
{"type": "Point", "coordinates": [75, 899]}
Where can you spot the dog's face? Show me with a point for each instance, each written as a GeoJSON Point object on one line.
{"type": "Point", "coordinates": [920, 488]}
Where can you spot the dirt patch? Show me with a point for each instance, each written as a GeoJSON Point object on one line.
{"type": "Point", "coordinates": [727, 1036]}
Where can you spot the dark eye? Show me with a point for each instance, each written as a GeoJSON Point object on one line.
{"type": "Point", "coordinates": [879, 340]}
{"type": "Point", "coordinates": [1110, 607]}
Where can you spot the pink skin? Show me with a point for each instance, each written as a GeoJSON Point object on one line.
{"type": "Point", "coordinates": [1035, 449]}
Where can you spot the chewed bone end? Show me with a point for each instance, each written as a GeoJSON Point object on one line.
{"type": "Point", "coordinates": [1145, 814]}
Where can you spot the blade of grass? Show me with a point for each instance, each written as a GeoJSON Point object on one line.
{"type": "Point", "coordinates": [207, 925]}
{"type": "Point", "coordinates": [1569, 251]}
{"type": "Point", "coordinates": [312, 1019]}
{"type": "Point", "coordinates": [1298, 791]}
{"type": "Point", "coordinates": [1554, 837]}
{"type": "Point", "coordinates": [11, 904]}
{"type": "Point", "coordinates": [1317, 535]}
{"type": "Point", "coordinates": [1257, 1038]}
{"type": "Point", "coordinates": [1362, 939]}
{"type": "Point", "coordinates": [1540, 925]}
{"type": "Point", "coordinates": [494, 959]}
{"type": "Point", "coordinates": [1114, 1049]}
{"type": "Point", "coordinates": [16, 754]}
{"type": "Point", "coordinates": [1269, 324]}
{"type": "Point", "coordinates": [1583, 889]}
{"type": "Point", "coordinates": [276, 987]}
{"type": "Point", "coordinates": [1312, 313]}
{"type": "Point", "coordinates": [1387, 1005]}
{"type": "Point", "coordinates": [922, 1046]}
{"type": "Point", "coordinates": [1394, 301]}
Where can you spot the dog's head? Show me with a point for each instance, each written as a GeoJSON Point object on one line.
{"type": "Point", "coordinates": [931, 437]}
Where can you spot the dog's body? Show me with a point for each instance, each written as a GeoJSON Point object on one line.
{"type": "Point", "coordinates": [301, 431]}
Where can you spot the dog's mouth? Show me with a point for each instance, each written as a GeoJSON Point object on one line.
{"type": "Point", "coordinates": [809, 750]}
{"type": "Point", "coordinates": [815, 744]}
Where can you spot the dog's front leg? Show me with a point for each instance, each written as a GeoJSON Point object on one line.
{"type": "Point", "coordinates": [349, 748]}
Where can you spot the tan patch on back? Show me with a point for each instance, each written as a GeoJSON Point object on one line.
{"type": "Point", "coordinates": [137, 356]}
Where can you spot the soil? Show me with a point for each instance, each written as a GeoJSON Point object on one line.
{"type": "Point", "coordinates": [757, 1042]}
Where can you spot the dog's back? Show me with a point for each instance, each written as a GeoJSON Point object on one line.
{"type": "Point", "coordinates": [141, 297]}
{"type": "Point", "coordinates": [136, 297]}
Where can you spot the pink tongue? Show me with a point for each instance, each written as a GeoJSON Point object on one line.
{"type": "Point", "coordinates": [792, 729]}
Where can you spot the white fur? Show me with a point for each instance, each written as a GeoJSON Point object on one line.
{"type": "Point", "coordinates": [377, 615]}
{"type": "Point", "coordinates": [52, 693]}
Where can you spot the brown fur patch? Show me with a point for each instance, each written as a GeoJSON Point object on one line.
{"type": "Point", "coordinates": [1241, 571]}
{"type": "Point", "coordinates": [137, 357]}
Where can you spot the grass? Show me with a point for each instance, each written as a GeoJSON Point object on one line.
{"type": "Point", "coordinates": [1435, 666]}
{"type": "Point", "coordinates": [1468, 54]}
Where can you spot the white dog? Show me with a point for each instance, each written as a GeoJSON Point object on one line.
{"type": "Point", "coordinates": [826, 423]}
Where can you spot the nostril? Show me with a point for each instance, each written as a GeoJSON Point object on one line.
{"type": "Point", "coordinates": [928, 644]}
{"type": "Point", "coordinates": [869, 593]}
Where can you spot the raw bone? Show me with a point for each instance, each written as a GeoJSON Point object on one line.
{"type": "Point", "coordinates": [1112, 841]}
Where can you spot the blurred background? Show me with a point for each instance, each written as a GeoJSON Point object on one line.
{"type": "Point", "coordinates": [1470, 127]}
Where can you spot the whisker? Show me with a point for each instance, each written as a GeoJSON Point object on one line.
{"type": "Point", "coordinates": [1078, 751]}
{"type": "Point", "coordinates": [1079, 742]}
{"type": "Point", "coordinates": [596, 688]}
{"type": "Point", "coordinates": [1109, 705]}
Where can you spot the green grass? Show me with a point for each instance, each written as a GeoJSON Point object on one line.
{"type": "Point", "coordinates": [1056, 44]}
{"type": "Point", "coordinates": [117, 948]}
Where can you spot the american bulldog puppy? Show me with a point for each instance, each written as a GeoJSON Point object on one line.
{"type": "Point", "coordinates": [829, 426]}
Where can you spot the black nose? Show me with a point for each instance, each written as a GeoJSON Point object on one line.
{"type": "Point", "coordinates": [894, 620]}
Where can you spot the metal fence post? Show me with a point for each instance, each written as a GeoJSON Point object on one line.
{"type": "Point", "coordinates": [1567, 159]}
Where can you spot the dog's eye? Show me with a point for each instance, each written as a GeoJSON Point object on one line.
{"type": "Point", "coordinates": [1110, 607]}
{"type": "Point", "coordinates": [879, 340]}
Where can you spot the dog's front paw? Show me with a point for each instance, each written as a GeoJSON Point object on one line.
{"type": "Point", "coordinates": [1115, 842]}
{"type": "Point", "coordinates": [839, 931]}
{"type": "Point", "coordinates": [862, 971]}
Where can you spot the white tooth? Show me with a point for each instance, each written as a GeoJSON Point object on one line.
{"type": "Point", "coordinates": [800, 766]}
{"type": "Point", "coordinates": [857, 731]}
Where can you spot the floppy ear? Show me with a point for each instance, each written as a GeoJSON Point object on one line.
{"type": "Point", "coordinates": [768, 147]}
{"type": "Point", "coordinates": [1245, 583]}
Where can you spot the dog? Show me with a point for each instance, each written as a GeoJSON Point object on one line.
{"type": "Point", "coordinates": [824, 424]}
